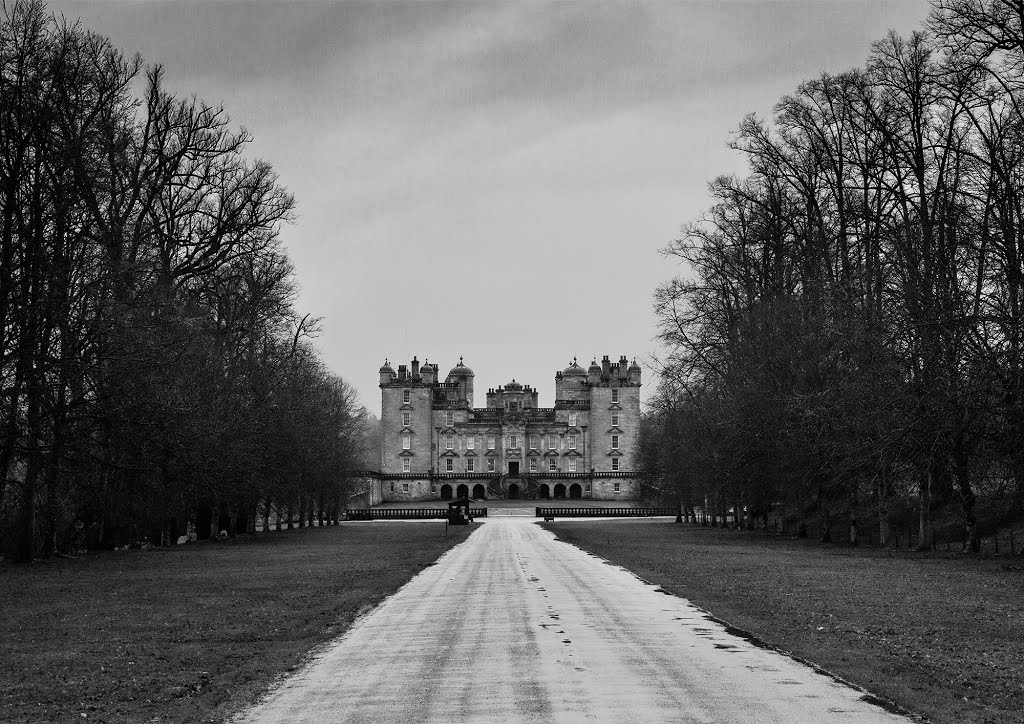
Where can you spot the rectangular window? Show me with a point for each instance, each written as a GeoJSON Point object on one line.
{"type": "Point", "coordinates": [552, 465]}
{"type": "Point", "coordinates": [470, 442]}
{"type": "Point", "coordinates": [615, 442]}
{"type": "Point", "coordinates": [513, 441]}
{"type": "Point", "coordinates": [490, 442]}
{"type": "Point", "coordinates": [552, 442]}
{"type": "Point", "coordinates": [533, 465]}
{"type": "Point", "coordinates": [615, 396]}
{"type": "Point", "coordinates": [406, 465]}
{"type": "Point", "coordinates": [615, 463]}
{"type": "Point", "coordinates": [533, 442]}
{"type": "Point", "coordinates": [587, 488]}
{"type": "Point", "coordinates": [572, 419]}
{"type": "Point", "coordinates": [406, 396]}
{"type": "Point", "coordinates": [490, 465]}
{"type": "Point", "coordinates": [406, 442]}
{"type": "Point", "coordinates": [572, 465]}
{"type": "Point", "coordinates": [449, 418]}
{"type": "Point", "coordinates": [449, 465]}
{"type": "Point", "coordinates": [616, 487]}
{"type": "Point", "coordinates": [572, 442]}
{"type": "Point", "coordinates": [470, 465]}
{"type": "Point", "coordinates": [406, 418]}
{"type": "Point", "coordinates": [405, 487]}
{"type": "Point", "coordinates": [615, 419]}
{"type": "Point", "coordinates": [449, 442]}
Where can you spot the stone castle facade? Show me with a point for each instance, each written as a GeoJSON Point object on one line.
{"type": "Point", "coordinates": [437, 445]}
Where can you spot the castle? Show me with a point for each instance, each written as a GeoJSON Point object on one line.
{"type": "Point", "coordinates": [437, 446]}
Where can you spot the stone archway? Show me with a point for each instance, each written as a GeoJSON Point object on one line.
{"type": "Point", "coordinates": [462, 491]}
{"type": "Point", "coordinates": [513, 491]}
{"type": "Point", "coordinates": [544, 492]}
{"type": "Point", "coordinates": [575, 491]}
{"type": "Point", "coordinates": [559, 492]}
{"type": "Point", "coordinates": [446, 492]}
{"type": "Point", "coordinates": [478, 492]}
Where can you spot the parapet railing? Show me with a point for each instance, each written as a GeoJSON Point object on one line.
{"type": "Point", "coordinates": [552, 513]}
{"type": "Point", "coordinates": [406, 513]}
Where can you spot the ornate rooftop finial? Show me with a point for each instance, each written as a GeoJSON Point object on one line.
{"type": "Point", "coordinates": [460, 361]}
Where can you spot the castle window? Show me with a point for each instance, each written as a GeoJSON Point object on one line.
{"type": "Point", "coordinates": [406, 442]}
{"type": "Point", "coordinates": [490, 442]}
{"type": "Point", "coordinates": [406, 465]}
{"type": "Point", "coordinates": [470, 465]}
{"type": "Point", "coordinates": [616, 487]}
{"type": "Point", "coordinates": [552, 442]}
{"type": "Point", "coordinates": [449, 442]}
{"type": "Point", "coordinates": [615, 419]}
{"type": "Point", "coordinates": [533, 442]}
{"type": "Point", "coordinates": [406, 396]}
{"type": "Point", "coordinates": [572, 442]}
{"type": "Point", "coordinates": [533, 465]}
{"type": "Point", "coordinates": [615, 442]}
{"type": "Point", "coordinates": [449, 418]}
{"type": "Point", "coordinates": [470, 442]}
{"type": "Point", "coordinates": [615, 463]}
{"type": "Point", "coordinates": [572, 465]}
{"type": "Point", "coordinates": [449, 465]}
{"type": "Point", "coordinates": [513, 441]}
{"type": "Point", "coordinates": [615, 395]}
{"type": "Point", "coordinates": [405, 487]}
{"type": "Point", "coordinates": [406, 418]}
{"type": "Point", "coordinates": [490, 465]}
{"type": "Point", "coordinates": [573, 417]}
{"type": "Point", "coordinates": [552, 465]}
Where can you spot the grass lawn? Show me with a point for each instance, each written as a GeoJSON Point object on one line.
{"type": "Point", "coordinates": [191, 633]}
{"type": "Point", "coordinates": [940, 635]}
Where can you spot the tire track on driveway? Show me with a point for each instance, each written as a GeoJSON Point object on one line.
{"type": "Point", "coordinates": [515, 626]}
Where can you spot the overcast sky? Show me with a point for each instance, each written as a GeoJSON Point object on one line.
{"type": "Point", "coordinates": [492, 180]}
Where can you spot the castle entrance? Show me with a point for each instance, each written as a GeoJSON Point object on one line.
{"type": "Point", "coordinates": [513, 492]}
{"type": "Point", "coordinates": [462, 491]}
{"type": "Point", "coordinates": [559, 492]}
{"type": "Point", "coordinates": [575, 491]}
{"type": "Point", "coordinates": [478, 491]}
{"type": "Point", "coordinates": [446, 492]}
{"type": "Point", "coordinates": [513, 468]}
{"type": "Point", "coordinates": [545, 491]}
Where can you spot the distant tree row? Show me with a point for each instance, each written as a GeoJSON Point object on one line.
{"type": "Point", "coordinates": [153, 369]}
{"type": "Point", "coordinates": [845, 336]}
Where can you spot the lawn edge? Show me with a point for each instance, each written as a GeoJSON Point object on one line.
{"type": "Point", "coordinates": [893, 707]}
{"type": "Point", "coordinates": [318, 650]}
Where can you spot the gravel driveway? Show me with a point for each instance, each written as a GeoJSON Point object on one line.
{"type": "Point", "coordinates": [515, 626]}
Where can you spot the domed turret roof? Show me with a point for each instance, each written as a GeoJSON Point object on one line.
{"type": "Point", "coordinates": [513, 386]}
{"type": "Point", "coordinates": [594, 367]}
{"type": "Point", "coordinates": [574, 369]}
{"type": "Point", "coordinates": [461, 370]}
{"type": "Point", "coordinates": [633, 365]}
{"type": "Point", "coordinates": [387, 368]}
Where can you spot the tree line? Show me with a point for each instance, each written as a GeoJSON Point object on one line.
{"type": "Point", "coordinates": [155, 376]}
{"type": "Point", "coordinates": [844, 338]}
